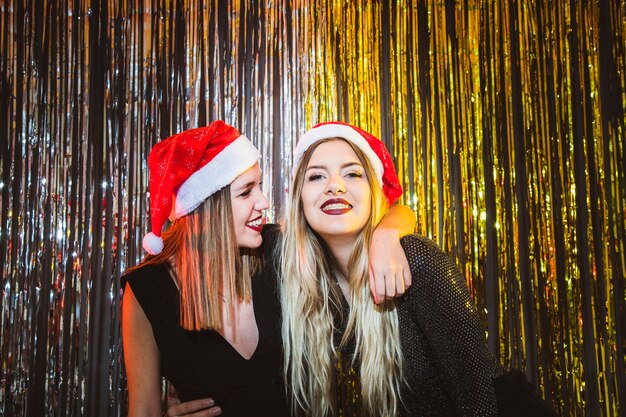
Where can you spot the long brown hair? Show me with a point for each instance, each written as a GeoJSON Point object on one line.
{"type": "Point", "coordinates": [206, 263]}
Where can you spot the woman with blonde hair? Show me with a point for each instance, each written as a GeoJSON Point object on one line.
{"type": "Point", "coordinates": [422, 354]}
{"type": "Point", "coordinates": [202, 309]}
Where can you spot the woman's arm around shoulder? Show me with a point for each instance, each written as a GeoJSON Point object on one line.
{"type": "Point", "coordinates": [389, 272]}
{"type": "Point", "coordinates": [141, 359]}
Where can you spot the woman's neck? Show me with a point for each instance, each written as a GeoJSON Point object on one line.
{"type": "Point", "coordinates": [341, 249]}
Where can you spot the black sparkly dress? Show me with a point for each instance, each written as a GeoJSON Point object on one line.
{"type": "Point", "coordinates": [447, 367]}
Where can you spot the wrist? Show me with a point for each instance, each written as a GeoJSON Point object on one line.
{"type": "Point", "coordinates": [383, 232]}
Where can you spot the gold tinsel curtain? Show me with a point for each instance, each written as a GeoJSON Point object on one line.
{"type": "Point", "coordinates": [506, 121]}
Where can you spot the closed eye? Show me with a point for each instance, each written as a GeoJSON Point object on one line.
{"type": "Point", "coordinates": [246, 193]}
{"type": "Point", "coordinates": [315, 177]}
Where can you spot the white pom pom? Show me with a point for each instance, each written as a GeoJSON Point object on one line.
{"type": "Point", "coordinates": [152, 243]}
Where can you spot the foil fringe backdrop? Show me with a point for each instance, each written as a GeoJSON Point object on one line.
{"type": "Point", "coordinates": [506, 120]}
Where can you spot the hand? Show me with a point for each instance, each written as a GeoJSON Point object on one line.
{"type": "Point", "coordinates": [198, 408]}
{"type": "Point", "coordinates": [389, 272]}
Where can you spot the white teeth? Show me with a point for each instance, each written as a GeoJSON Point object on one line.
{"type": "Point", "coordinates": [256, 223]}
{"type": "Point", "coordinates": [336, 206]}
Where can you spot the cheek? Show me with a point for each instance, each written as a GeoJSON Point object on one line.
{"type": "Point", "coordinates": [239, 216]}
{"type": "Point", "coordinates": [306, 206]}
{"type": "Point", "coordinates": [234, 206]}
{"type": "Point", "coordinates": [307, 197]}
{"type": "Point", "coordinates": [366, 198]}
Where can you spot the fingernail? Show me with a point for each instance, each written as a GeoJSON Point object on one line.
{"type": "Point", "coordinates": [209, 402]}
{"type": "Point", "coordinates": [217, 411]}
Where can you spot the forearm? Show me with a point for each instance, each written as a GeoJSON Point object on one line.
{"type": "Point", "coordinates": [400, 219]}
{"type": "Point", "coordinates": [389, 270]}
{"type": "Point", "coordinates": [141, 360]}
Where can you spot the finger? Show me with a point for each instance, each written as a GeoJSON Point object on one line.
{"type": "Point", "coordinates": [408, 279]}
{"type": "Point", "coordinates": [172, 395]}
{"type": "Point", "coordinates": [190, 407]}
{"type": "Point", "coordinates": [381, 286]}
{"type": "Point", "coordinates": [400, 287]}
{"type": "Point", "coordinates": [208, 412]}
{"type": "Point", "coordinates": [372, 284]}
{"type": "Point", "coordinates": [390, 285]}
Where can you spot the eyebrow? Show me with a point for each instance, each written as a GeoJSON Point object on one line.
{"type": "Point", "coordinates": [247, 185]}
{"type": "Point", "coordinates": [346, 165]}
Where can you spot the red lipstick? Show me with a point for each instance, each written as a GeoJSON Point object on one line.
{"type": "Point", "coordinates": [256, 224]}
{"type": "Point", "coordinates": [336, 206]}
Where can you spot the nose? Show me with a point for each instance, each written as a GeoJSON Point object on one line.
{"type": "Point", "coordinates": [336, 185]}
{"type": "Point", "coordinates": [262, 203]}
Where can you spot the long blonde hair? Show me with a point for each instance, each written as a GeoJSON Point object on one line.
{"type": "Point", "coordinates": [310, 297]}
{"type": "Point", "coordinates": [208, 266]}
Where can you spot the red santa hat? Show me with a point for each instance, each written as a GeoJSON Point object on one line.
{"type": "Point", "coordinates": [372, 147]}
{"type": "Point", "coordinates": [187, 168]}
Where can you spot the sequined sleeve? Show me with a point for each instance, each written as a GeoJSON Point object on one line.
{"type": "Point", "coordinates": [447, 330]}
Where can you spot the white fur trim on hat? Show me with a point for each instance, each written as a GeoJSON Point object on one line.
{"type": "Point", "coordinates": [330, 130]}
{"type": "Point", "coordinates": [152, 243]}
{"type": "Point", "coordinates": [232, 161]}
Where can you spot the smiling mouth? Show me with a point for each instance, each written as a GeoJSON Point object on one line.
{"type": "Point", "coordinates": [336, 206]}
{"type": "Point", "coordinates": [256, 224]}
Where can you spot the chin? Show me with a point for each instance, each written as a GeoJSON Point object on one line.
{"type": "Point", "coordinates": [336, 232]}
{"type": "Point", "coordinates": [251, 243]}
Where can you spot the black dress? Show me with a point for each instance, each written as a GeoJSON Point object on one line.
{"type": "Point", "coordinates": [448, 366]}
{"type": "Point", "coordinates": [448, 370]}
{"type": "Point", "coordinates": [202, 363]}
